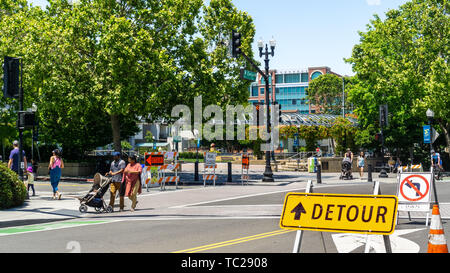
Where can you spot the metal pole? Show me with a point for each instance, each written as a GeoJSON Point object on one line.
{"type": "Point", "coordinates": [319, 174]}
{"type": "Point", "coordinates": [230, 171]}
{"type": "Point", "coordinates": [268, 174]}
{"type": "Point", "coordinates": [299, 234]}
{"type": "Point", "coordinates": [196, 171]}
{"type": "Point", "coordinates": [19, 127]}
{"type": "Point", "coordinates": [343, 97]}
{"type": "Point", "coordinates": [431, 168]}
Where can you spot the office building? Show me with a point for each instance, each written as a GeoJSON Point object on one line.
{"type": "Point", "coordinates": [290, 89]}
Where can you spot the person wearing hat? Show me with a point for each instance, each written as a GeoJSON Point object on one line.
{"type": "Point", "coordinates": [212, 148]}
{"type": "Point", "coordinates": [30, 180]}
{"type": "Point", "coordinates": [116, 171]}
{"type": "Point", "coordinates": [55, 166]}
{"type": "Point", "coordinates": [13, 162]}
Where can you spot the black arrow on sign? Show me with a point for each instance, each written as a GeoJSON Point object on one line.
{"type": "Point", "coordinates": [298, 210]}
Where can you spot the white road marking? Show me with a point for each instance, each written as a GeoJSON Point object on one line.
{"type": "Point", "coordinates": [348, 242]}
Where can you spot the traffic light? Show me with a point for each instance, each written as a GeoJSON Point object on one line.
{"type": "Point", "coordinates": [257, 114]}
{"type": "Point", "coordinates": [384, 121]}
{"type": "Point", "coordinates": [11, 70]}
{"type": "Point", "coordinates": [36, 131]}
{"type": "Point", "coordinates": [26, 120]}
{"type": "Point", "coordinates": [235, 43]}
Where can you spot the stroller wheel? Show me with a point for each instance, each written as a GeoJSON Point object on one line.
{"type": "Point", "coordinates": [109, 209]}
{"type": "Point", "coordinates": [97, 209]}
{"type": "Point", "coordinates": [83, 208]}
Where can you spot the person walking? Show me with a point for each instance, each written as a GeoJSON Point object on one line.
{"type": "Point", "coordinates": [131, 177]}
{"type": "Point", "coordinates": [13, 162]}
{"type": "Point", "coordinates": [116, 171]}
{"type": "Point", "coordinates": [55, 166]}
{"type": "Point", "coordinates": [349, 157]}
{"type": "Point", "coordinates": [361, 164]}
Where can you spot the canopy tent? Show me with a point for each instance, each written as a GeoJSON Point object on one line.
{"type": "Point", "coordinates": [295, 119]}
{"type": "Point", "coordinates": [150, 145]}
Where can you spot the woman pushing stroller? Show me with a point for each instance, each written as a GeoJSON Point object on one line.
{"type": "Point", "coordinates": [347, 163]}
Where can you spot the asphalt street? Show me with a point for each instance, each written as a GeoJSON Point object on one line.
{"type": "Point", "coordinates": [195, 219]}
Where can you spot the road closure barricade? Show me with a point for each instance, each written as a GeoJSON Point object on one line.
{"type": "Point", "coordinates": [347, 213]}
{"type": "Point", "coordinates": [167, 169]}
{"type": "Point", "coordinates": [209, 168]}
{"type": "Point", "coordinates": [245, 169]}
{"type": "Point", "coordinates": [411, 168]}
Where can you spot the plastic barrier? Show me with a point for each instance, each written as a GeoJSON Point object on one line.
{"type": "Point", "coordinates": [166, 173]}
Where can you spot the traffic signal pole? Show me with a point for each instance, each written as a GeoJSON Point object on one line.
{"type": "Point", "coordinates": [18, 124]}
{"type": "Point", "coordinates": [268, 174]}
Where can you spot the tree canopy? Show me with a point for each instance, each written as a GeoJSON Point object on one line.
{"type": "Point", "coordinates": [402, 61]}
{"type": "Point", "coordinates": [94, 68]}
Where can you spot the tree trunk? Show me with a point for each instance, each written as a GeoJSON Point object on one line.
{"type": "Point", "coordinates": [445, 126]}
{"type": "Point", "coordinates": [115, 125]}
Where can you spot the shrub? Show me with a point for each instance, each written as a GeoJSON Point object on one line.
{"type": "Point", "coordinates": [12, 190]}
{"type": "Point", "coordinates": [190, 155]}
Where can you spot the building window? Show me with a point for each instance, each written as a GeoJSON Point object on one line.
{"type": "Point", "coordinates": [254, 91]}
{"type": "Point", "coordinates": [262, 91]}
{"type": "Point", "coordinates": [291, 78]}
{"type": "Point", "coordinates": [279, 78]}
{"type": "Point", "coordinates": [304, 77]}
{"type": "Point", "coordinates": [315, 75]}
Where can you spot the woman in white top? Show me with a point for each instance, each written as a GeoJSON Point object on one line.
{"type": "Point", "coordinates": [361, 163]}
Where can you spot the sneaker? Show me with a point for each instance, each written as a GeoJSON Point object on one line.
{"type": "Point", "coordinates": [132, 210]}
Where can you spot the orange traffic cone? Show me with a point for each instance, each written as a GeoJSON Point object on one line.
{"type": "Point", "coordinates": [436, 237]}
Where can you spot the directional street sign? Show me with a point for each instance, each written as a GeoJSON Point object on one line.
{"type": "Point", "coordinates": [154, 160]}
{"type": "Point", "coordinates": [210, 159]}
{"type": "Point", "coordinates": [367, 214]}
{"type": "Point", "coordinates": [248, 75]}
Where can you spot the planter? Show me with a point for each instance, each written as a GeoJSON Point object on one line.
{"type": "Point", "coordinates": [334, 164]}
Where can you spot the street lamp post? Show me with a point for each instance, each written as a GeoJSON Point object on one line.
{"type": "Point", "coordinates": [268, 174]}
{"type": "Point", "coordinates": [430, 116]}
{"type": "Point", "coordinates": [235, 46]}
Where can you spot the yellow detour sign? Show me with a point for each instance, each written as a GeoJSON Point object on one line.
{"type": "Point", "coordinates": [367, 214]}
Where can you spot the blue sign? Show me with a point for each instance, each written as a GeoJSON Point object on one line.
{"type": "Point", "coordinates": [427, 134]}
{"type": "Point", "coordinates": [198, 143]}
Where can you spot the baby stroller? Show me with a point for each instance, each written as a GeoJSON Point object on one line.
{"type": "Point", "coordinates": [95, 196]}
{"type": "Point", "coordinates": [346, 173]}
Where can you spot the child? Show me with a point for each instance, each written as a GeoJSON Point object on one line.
{"type": "Point", "coordinates": [30, 180]}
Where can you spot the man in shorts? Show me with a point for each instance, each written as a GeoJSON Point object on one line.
{"type": "Point", "coordinates": [116, 171]}
{"type": "Point", "coordinates": [436, 160]}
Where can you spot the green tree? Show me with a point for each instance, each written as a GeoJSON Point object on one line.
{"type": "Point", "coordinates": [326, 91]}
{"type": "Point", "coordinates": [97, 67]}
{"type": "Point", "coordinates": [344, 134]}
{"type": "Point", "coordinates": [402, 61]}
